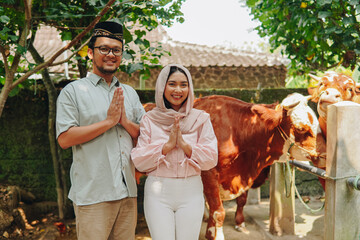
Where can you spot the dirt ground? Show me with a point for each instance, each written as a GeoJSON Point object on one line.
{"type": "Point", "coordinates": [307, 225]}
{"type": "Point", "coordinates": [51, 232]}
{"type": "Point", "coordinates": [229, 230]}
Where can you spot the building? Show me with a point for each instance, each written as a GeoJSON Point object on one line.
{"type": "Point", "coordinates": [211, 67]}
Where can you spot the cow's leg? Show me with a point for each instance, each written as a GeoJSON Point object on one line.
{"type": "Point", "coordinates": [214, 229]}
{"type": "Point", "coordinates": [321, 180]}
{"type": "Point", "coordinates": [241, 200]}
{"type": "Point", "coordinates": [239, 215]}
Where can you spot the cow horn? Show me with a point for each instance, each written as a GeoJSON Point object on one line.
{"type": "Point", "coordinates": [316, 78]}
{"type": "Point", "coordinates": [292, 100]}
{"type": "Point", "coordinates": [291, 105]}
{"type": "Point", "coordinates": [357, 85]}
{"type": "Point", "coordinates": [308, 97]}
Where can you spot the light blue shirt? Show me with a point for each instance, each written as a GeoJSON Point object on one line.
{"type": "Point", "coordinates": [101, 169]}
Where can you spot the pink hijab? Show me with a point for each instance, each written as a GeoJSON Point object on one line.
{"type": "Point", "coordinates": [191, 118]}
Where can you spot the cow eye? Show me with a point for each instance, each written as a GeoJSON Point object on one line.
{"type": "Point", "coordinates": [301, 130]}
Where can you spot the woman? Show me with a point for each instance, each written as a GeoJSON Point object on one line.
{"type": "Point", "coordinates": [176, 143]}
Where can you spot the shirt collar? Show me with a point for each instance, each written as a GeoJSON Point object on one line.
{"type": "Point", "coordinates": [95, 79]}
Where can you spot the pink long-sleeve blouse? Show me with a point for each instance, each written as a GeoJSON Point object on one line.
{"type": "Point", "coordinates": [147, 155]}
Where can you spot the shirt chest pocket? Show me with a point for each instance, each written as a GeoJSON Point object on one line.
{"type": "Point", "coordinates": [92, 109]}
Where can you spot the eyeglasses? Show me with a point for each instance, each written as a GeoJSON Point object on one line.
{"type": "Point", "coordinates": [106, 50]}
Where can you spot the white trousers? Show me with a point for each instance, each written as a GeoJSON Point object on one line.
{"type": "Point", "coordinates": [174, 207]}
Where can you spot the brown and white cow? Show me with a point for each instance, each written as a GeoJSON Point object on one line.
{"type": "Point", "coordinates": [331, 88]}
{"type": "Point", "coordinates": [250, 138]}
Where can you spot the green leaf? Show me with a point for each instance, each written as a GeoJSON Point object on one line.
{"type": "Point", "coordinates": [135, 67]}
{"type": "Point", "coordinates": [4, 19]}
{"type": "Point", "coordinates": [145, 74]}
{"type": "Point", "coordinates": [251, 3]}
{"type": "Point", "coordinates": [320, 2]}
{"type": "Point", "coordinates": [127, 56]}
{"type": "Point", "coordinates": [348, 20]}
{"type": "Point", "coordinates": [323, 2]}
{"type": "Point", "coordinates": [323, 14]}
{"type": "Point", "coordinates": [15, 91]}
{"type": "Point", "coordinates": [13, 38]}
{"type": "Point", "coordinates": [330, 30]}
{"type": "Point", "coordinates": [139, 33]}
{"type": "Point", "coordinates": [354, 2]}
{"type": "Point", "coordinates": [338, 31]}
{"type": "Point", "coordinates": [312, 20]}
{"type": "Point", "coordinates": [66, 36]}
{"type": "Point", "coordinates": [5, 30]}
{"type": "Point", "coordinates": [154, 61]}
{"type": "Point", "coordinates": [127, 35]}
{"type": "Point", "coordinates": [20, 49]}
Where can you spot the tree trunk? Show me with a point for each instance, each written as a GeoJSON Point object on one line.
{"type": "Point", "coordinates": [5, 93]}
{"type": "Point", "coordinates": [59, 171]}
{"type": "Point", "coordinates": [82, 68]}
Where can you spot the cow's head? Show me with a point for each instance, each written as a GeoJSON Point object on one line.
{"type": "Point", "coordinates": [301, 131]}
{"type": "Point", "coordinates": [333, 87]}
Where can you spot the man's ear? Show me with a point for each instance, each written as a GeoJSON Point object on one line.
{"type": "Point", "coordinates": [90, 53]}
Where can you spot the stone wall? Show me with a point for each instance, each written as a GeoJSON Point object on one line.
{"type": "Point", "coordinates": [221, 77]}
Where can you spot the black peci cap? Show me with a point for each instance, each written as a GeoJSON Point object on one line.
{"type": "Point", "coordinates": [108, 29]}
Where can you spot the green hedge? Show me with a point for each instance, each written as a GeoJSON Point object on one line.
{"type": "Point", "coordinates": [25, 158]}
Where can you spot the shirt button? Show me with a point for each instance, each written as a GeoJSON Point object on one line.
{"type": "Point", "coordinates": [122, 152]}
{"type": "Point", "coordinates": [120, 135]}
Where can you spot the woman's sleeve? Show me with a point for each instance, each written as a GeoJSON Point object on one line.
{"type": "Point", "coordinates": [146, 155]}
{"type": "Point", "coordinates": [205, 152]}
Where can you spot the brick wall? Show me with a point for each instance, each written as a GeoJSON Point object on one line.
{"type": "Point", "coordinates": [222, 77]}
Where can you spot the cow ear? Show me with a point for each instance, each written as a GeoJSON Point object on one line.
{"type": "Point", "coordinates": [311, 90]}
{"type": "Point", "coordinates": [290, 104]}
{"type": "Point", "coordinates": [271, 117]}
{"type": "Point", "coordinates": [357, 88]}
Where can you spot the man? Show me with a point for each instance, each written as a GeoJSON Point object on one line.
{"type": "Point", "coordinates": [99, 117]}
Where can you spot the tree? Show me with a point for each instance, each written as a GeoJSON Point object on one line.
{"type": "Point", "coordinates": [21, 19]}
{"type": "Point", "coordinates": [315, 35]}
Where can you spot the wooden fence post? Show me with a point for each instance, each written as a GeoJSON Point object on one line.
{"type": "Point", "coordinates": [254, 196]}
{"type": "Point", "coordinates": [342, 203]}
{"type": "Point", "coordinates": [282, 207]}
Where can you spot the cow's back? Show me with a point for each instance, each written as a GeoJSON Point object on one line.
{"type": "Point", "coordinates": [242, 129]}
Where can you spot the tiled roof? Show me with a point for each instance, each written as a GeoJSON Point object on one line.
{"type": "Point", "coordinates": [189, 54]}
{"type": "Point", "coordinates": [48, 42]}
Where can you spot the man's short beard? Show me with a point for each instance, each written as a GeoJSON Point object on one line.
{"type": "Point", "coordinates": [107, 72]}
